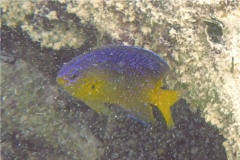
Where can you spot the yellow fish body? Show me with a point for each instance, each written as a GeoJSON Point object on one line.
{"type": "Point", "coordinates": [128, 76]}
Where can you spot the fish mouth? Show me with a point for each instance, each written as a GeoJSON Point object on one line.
{"type": "Point", "coordinates": [62, 81]}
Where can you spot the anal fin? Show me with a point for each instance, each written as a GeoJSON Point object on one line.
{"type": "Point", "coordinates": [142, 112]}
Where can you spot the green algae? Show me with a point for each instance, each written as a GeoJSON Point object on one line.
{"type": "Point", "coordinates": [29, 107]}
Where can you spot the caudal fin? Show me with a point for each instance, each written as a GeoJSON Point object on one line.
{"type": "Point", "coordinates": [164, 100]}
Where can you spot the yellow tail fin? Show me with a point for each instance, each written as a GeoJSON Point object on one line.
{"type": "Point", "coordinates": [164, 100]}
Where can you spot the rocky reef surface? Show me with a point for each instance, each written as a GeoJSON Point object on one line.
{"type": "Point", "coordinates": [199, 39]}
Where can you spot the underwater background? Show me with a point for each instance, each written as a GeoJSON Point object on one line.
{"type": "Point", "coordinates": [200, 41]}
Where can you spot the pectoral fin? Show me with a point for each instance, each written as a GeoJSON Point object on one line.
{"type": "Point", "coordinates": [99, 107]}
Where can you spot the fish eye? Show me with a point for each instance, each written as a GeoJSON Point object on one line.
{"type": "Point", "coordinates": [73, 74]}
